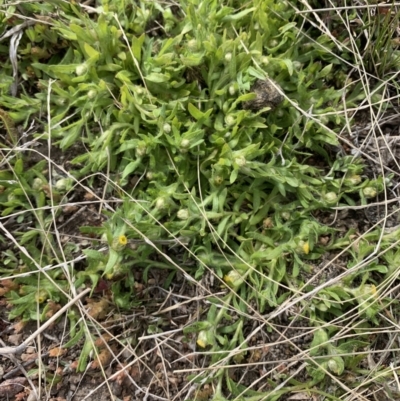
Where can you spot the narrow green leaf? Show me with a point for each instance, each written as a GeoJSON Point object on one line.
{"type": "Point", "coordinates": [157, 77]}
{"type": "Point", "coordinates": [195, 112]}
{"type": "Point", "coordinates": [238, 16]}
{"type": "Point", "coordinates": [137, 44]}
{"type": "Point", "coordinates": [90, 51]}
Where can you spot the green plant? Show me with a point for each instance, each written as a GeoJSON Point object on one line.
{"type": "Point", "coordinates": [174, 154]}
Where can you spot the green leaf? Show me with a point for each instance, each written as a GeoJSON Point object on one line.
{"type": "Point", "coordinates": [75, 339]}
{"type": "Point", "coordinates": [289, 65]}
{"type": "Point", "coordinates": [325, 71]}
{"type": "Point", "coordinates": [19, 167]}
{"type": "Point", "coordinates": [287, 27]}
{"type": "Point", "coordinates": [233, 176]}
{"type": "Point", "coordinates": [90, 51]}
{"type": "Point", "coordinates": [238, 16]}
{"type": "Point", "coordinates": [157, 77]}
{"type": "Point", "coordinates": [195, 112]}
{"type": "Point", "coordinates": [92, 254]}
{"type": "Point", "coordinates": [336, 365]}
{"type": "Point", "coordinates": [131, 167]}
{"type": "Point", "coordinates": [113, 259]}
{"type": "Point", "coordinates": [320, 340]}
{"type": "Point", "coordinates": [192, 60]}
{"type": "Point", "coordinates": [137, 44]}
{"type": "Point", "coordinates": [28, 236]}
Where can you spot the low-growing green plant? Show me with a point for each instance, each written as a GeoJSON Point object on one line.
{"type": "Point", "coordinates": [166, 121]}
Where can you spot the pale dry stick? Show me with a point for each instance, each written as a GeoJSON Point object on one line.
{"type": "Point", "coordinates": [295, 358]}
{"type": "Point", "coordinates": [352, 7]}
{"type": "Point", "coordinates": [381, 375]}
{"type": "Point", "coordinates": [359, 207]}
{"type": "Point", "coordinates": [163, 362]}
{"type": "Point", "coordinates": [349, 327]}
{"type": "Point", "coordinates": [60, 206]}
{"type": "Point", "coordinates": [114, 375]}
{"type": "Point", "coordinates": [190, 300]}
{"type": "Point", "coordinates": [57, 234]}
{"type": "Point", "coordinates": [133, 57]}
{"type": "Point", "coordinates": [396, 377]}
{"type": "Point", "coordinates": [369, 94]}
{"type": "Point", "coordinates": [49, 267]}
{"type": "Point", "coordinates": [20, 348]}
{"type": "Point", "coordinates": [189, 278]}
{"type": "Point", "coordinates": [281, 385]}
{"type": "Point", "coordinates": [107, 177]}
{"type": "Point", "coordinates": [349, 64]}
{"type": "Point", "coordinates": [365, 106]}
{"type": "Point", "coordinates": [344, 61]}
{"type": "Point", "coordinates": [363, 73]}
{"type": "Point", "coordinates": [384, 101]}
{"type": "Point", "coordinates": [322, 24]}
{"type": "Point", "coordinates": [115, 358]}
{"type": "Point", "coordinates": [16, 29]}
{"type": "Point", "coordinates": [52, 208]}
{"type": "Point", "coordinates": [304, 354]}
{"type": "Point", "coordinates": [275, 314]}
{"type": "Point", "coordinates": [319, 123]}
{"type": "Point", "coordinates": [23, 250]}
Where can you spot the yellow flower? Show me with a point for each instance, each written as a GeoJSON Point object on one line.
{"type": "Point", "coordinates": [41, 296]}
{"type": "Point", "coordinates": [234, 279]}
{"type": "Point", "coordinates": [122, 240]}
{"type": "Point", "coordinates": [119, 243]}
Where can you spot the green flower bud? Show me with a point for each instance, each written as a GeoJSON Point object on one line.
{"type": "Point", "coordinates": [230, 120]}
{"type": "Point", "coordinates": [92, 94]}
{"type": "Point", "coordinates": [185, 143]}
{"type": "Point", "coordinates": [240, 161]}
{"type": "Point", "coordinates": [228, 57]}
{"type": "Point", "coordinates": [183, 214]}
{"type": "Point", "coordinates": [37, 184]}
{"type": "Point", "coordinates": [336, 365]}
{"type": "Point", "coordinates": [122, 56]}
{"type": "Point", "coordinates": [81, 69]}
{"type": "Point", "coordinates": [141, 150]}
{"type": "Point", "coordinates": [160, 203]}
{"type": "Point", "coordinates": [167, 128]}
{"type": "Point", "coordinates": [353, 180]}
{"type": "Point", "coordinates": [331, 197]}
{"type": "Point", "coordinates": [218, 180]}
{"type": "Point", "coordinates": [63, 184]}
{"type": "Point", "coordinates": [369, 192]}
{"type": "Point", "coordinates": [232, 90]}
{"type": "Point", "coordinates": [264, 60]}
{"type": "Point", "coordinates": [297, 65]}
{"type": "Point", "coordinates": [234, 279]}
{"type": "Point", "coordinates": [203, 338]}
{"type": "Point", "coordinates": [192, 45]}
